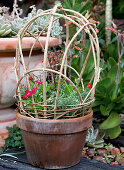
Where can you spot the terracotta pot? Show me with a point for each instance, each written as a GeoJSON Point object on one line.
{"type": "Point", "coordinates": [54, 144]}
{"type": "Point", "coordinates": [7, 73]}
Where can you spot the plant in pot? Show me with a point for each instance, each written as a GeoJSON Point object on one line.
{"type": "Point", "coordinates": [54, 110]}
{"type": "Point", "coordinates": [10, 24]}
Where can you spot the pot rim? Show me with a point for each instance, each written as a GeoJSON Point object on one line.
{"type": "Point", "coordinates": [48, 126]}
{"type": "Point", "coordinates": [10, 44]}
{"type": "Point", "coordinates": [55, 120]}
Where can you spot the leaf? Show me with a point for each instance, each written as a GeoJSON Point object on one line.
{"type": "Point", "coordinates": [113, 133]}
{"type": "Point", "coordinates": [6, 33]}
{"type": "Point", "coordinates": [22, 101]}
{"type": "Point", "coordinates": [113, 91]}
{"type": "Point", "coordinates": [112, 73]}
{"type": "Point", "coordinates": [112, 62]}
{"type": "Point", "coordinates": [114, 39]}
{"type": "Point", "coordinates": [104, 110]}
{"type": "Point", "coordinates": [102, 42]}
{"type": "Point", "coordinates": [112, 121]}
{"type": "Point", "coordinates": [1, 32]}
{"type": "Point", "coordinates": [106, 82]}
{"type": "Point", "coordinates": [97, 103]}
{"type": "Point", "coordinates": [100, 96]}
{"type": "Point", "coordinates": [7, 154]}
{"type": "Point", "coordinates": [100, 89]}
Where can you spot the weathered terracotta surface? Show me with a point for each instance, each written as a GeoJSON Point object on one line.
{"type": "Point", "coordinates": [54, 144]}
{"type": "Point", "coordinates": [27, 42]}
{"type": "Point", "coordinates": [7, 118]}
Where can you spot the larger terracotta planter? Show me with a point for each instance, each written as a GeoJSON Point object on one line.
{"type": "Point", "coordinates": [54, 144]}
{"type": "Point", "coordinates": [7, 73]}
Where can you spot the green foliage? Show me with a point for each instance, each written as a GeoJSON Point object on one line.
{"type": "Point", "coordinates": [110, 99]}
{"type": "Point", "coordinates": [10, 26]}
{"type": "Point", "coordinates": [112, 121]}
{"type": "Point", "coordinates": [14, 140]}
{"type": "Point", "coordinates": [68, 96]}
{"type": "Point", "coordinates": [77, 6]}
{"type": "Point", "coordinates": [93, 139]}
{"type": "Point", "coordinates": [118, 9]}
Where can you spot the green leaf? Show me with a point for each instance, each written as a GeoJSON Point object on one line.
{"type": "Point", "coordinates": [1, 32]}
{"type": "Point", "coordinates": [104, 110]}
{"type": "Point", "coordinates": [112, 73]}
{"type": "Point", "coordinates": [97, 103]}
{"type": "Point", "coordinates": [7, 154]}
{"type": "Point", "coordinates": [112, 62]}
{"type": "Point", "coordinates": [113, 133]}
{"type": "Point", "coordinates": [113, 91]}
{"type": "Point", "coordinates": [6, 33]}
{"type": "Point", "coordinates": [112, 121]}
{"type": "Point", "coordinates": [114, 39]}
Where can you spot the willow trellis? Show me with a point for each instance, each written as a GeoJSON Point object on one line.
{"type": "Point", "coordinates": [43, 109]}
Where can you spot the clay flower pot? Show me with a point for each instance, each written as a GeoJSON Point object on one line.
{"type": "Point", "coordinates": [7, 74]}
{"type": "Point", "coordinates": [54, 144]}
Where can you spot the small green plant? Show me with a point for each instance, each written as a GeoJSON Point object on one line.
{"type": "Point", "coordinates": [109, 158]}
{"type": "Point", "coordinates": [109, 146]}
{"type": "Point", "coordinates": [10, 24]}
{"type": "Point", "coordinates": [93, 139]}
{"type": "Point", "coordinates": [14, 140]}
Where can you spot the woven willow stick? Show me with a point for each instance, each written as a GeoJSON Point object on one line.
{"type": "Point", "coordinates": [93, 87]}
{"type": "Point", "coordinates": [17, 74]}
{"type": "Point", "coordinates": [24, 66]}
{"type": "Point", "coordinates": [45, 56]}
{"type": "Point", "coordinates": [82, 23]}
{"type": "Point", "coordinates": [94, 56]}
{"type": "Point", "coordinates": [63, 60]}
{"type": "Point", "coordinates": [67, 41]}
{"type": "Point", "coordinates": [85, 62]}
{"type": "Point", "coordinates": [78, 14]}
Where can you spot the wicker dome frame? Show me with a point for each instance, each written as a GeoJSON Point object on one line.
{"type": "Point", "coordinates": [83, 25]}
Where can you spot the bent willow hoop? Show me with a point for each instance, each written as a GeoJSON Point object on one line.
{"type": "Point", "coordinates": [51, 108]}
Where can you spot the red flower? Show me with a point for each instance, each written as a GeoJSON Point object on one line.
{"type": "Point", "coordinates": [21, 85]}
{"type": "Point", "coordinates": [77, 48]}
{"type": "Point", "coordinates": [110, 29]}
{"type": "Point", "coordinates": [97, 31]}
{"type": "Point", "coordinates": [31, 78]}
{"type": "Point", "coordinates": [57, 59]}
{"type": "Point", "coordinates": [38, 81]}
{"type": "Point", "coordinates": [89, 86]}
{"type": "Point", "coordinates": [29, 93]}
{"type": "Point", "coordinates": [52, 62]}
{"type": "Point", "coordinates": [33, 90]}
{"type": "Point", "coordinates": [26, 91]}
{"type": "Point", "coordinates": [41, 61]}
{"type": "Point", "coordinates": [50, 57]}
{"type": "Point", "coordinates": [69, 23]}
{"type": "Point", "coordinates": [93, 21]}
{"type": "Point", "coordinates": [122, 36]}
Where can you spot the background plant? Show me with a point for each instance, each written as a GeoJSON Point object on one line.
{"type": "Point", "coordinates": [14, 140]}
{"type": "Point", "coordinates": [10, 24]}
{"type": "Point", "coordinates": [110, 91]}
